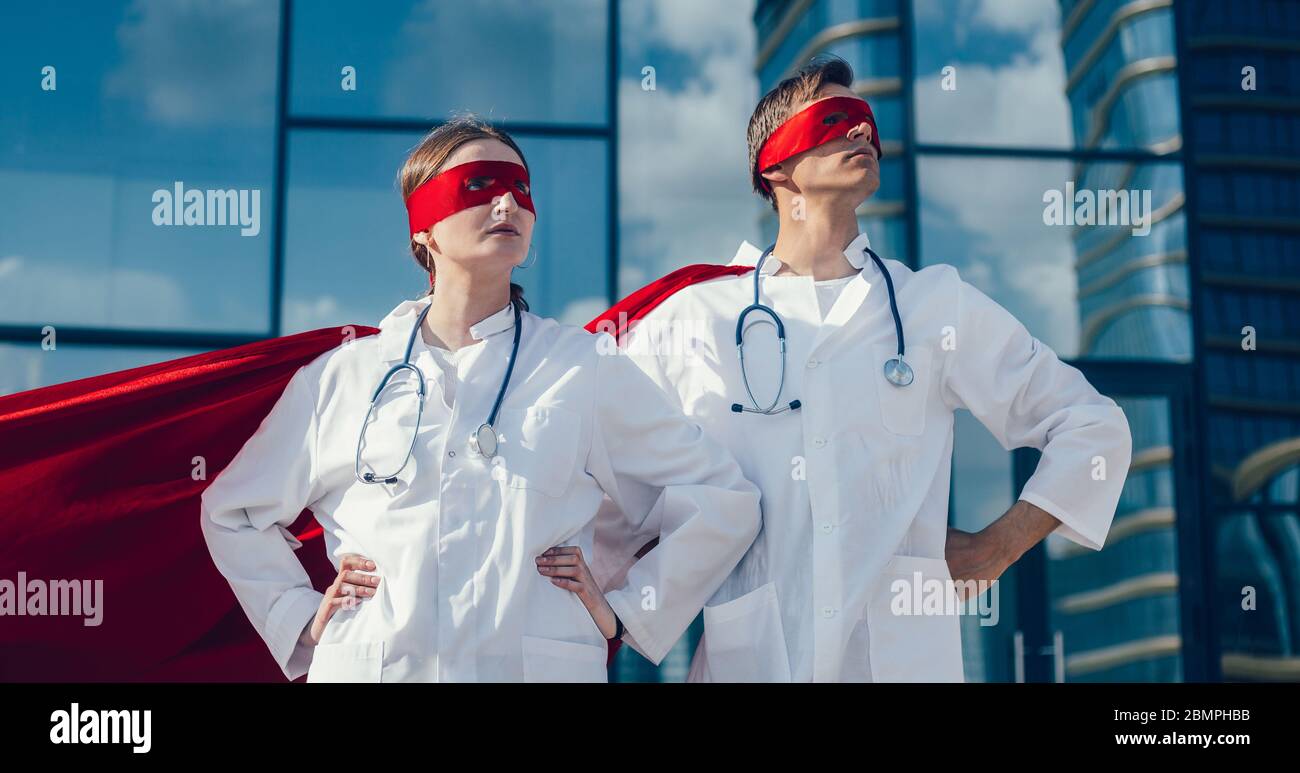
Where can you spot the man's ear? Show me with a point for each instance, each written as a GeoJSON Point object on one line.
{"type": "Point", "coordinates": [775, 174]}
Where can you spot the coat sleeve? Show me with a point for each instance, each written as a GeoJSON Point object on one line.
{"type": "Point", "coordinates": [620, 541]}
{"type": "Point", "coordinates": [663, 475]}
{"type": "Point", "coordinates": [1018, 388]}
{"type": "Point", "coordinates": [246, 513]}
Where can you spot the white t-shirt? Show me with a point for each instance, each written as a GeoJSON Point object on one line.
{"type": "Point", "coordinates": [449, 363]}
{"type": "Point", "coordinates": [828, 290]}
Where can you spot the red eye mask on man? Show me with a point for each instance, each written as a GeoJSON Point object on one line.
{"type": "Point", "coordinates": [464, 186]}
{"type": "Point", "coordinates": [817, 124]}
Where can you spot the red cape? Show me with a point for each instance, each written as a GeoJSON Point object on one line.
{"type": "Point", "coordinates": [100, 481]}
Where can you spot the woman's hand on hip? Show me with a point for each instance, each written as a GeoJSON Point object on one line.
{"type": "Point", "coordinates": [351, 587]}
{"type": "Point", "coordinates": [567, 569]}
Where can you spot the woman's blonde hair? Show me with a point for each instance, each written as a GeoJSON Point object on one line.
{"type": "Point", "coordinates": [426, 160]}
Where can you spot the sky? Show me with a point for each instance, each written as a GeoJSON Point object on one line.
{"type": "Point", "coordinates": [151, 92]}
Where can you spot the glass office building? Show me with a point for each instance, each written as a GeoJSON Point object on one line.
{"type": "Point", "coordinates": [312, 107]}
{"type": "Point", "coordinates": [1189, 317]}
{"type": "Point", "coordinates": [1185, 312]}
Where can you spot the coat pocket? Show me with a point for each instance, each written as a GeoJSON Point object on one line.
{"type": "Point", "coordinates": [540, 448]}
{"type": "Point", "coordinates": [347, 662]}
{"type": "Point", "coordinates": [744, 640]}
{"type": "Point", "coordinates": [902, 408]}
{"type": "Point", "coordinates": [914, 623]}
{"type": "Point", "coordinates": [552, 660]}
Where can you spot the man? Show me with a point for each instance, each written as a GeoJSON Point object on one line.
{"type": "Point", "coordinates": [851, 443]}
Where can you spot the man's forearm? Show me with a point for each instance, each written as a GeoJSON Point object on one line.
{"type": "Point", "coordinates": [1019, 529]}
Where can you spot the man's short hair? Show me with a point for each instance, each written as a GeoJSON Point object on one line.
{"type": "Point", "coordinates": [777, 105]}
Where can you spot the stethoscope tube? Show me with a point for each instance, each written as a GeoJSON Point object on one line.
{"type": "Point", "coordinates": [484, 440]}
{"type": "Point", "coordinates": [776, 322]}
{"type": "Point", "coordinates": [896, 369]}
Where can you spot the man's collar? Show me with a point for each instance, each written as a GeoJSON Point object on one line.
{"type": "Point", "coordinates": [748, 255]}
{"type": "Point", "coordinates": [395, 329]}
{"type": "Point", "coordinates": [856, 251]}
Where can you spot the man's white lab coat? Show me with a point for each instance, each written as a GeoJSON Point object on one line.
{"type": "Point", "coordinates": [855, 484]}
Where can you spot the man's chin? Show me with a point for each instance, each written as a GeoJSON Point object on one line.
{"type": "Point", "coordinates": [866, 188]}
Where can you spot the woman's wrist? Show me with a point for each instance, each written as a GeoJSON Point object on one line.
{"type": "Point", "coordinates": [305, 638]}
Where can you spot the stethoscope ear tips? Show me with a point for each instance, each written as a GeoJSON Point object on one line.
{"type": "Point", "coordinates": [795, 405]}
{"type": "Point", "coordinates": [737, 408]}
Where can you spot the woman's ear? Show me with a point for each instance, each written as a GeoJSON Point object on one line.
{"type": "Point", "coordinates": [425, 239]}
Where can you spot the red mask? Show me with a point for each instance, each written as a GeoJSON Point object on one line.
{"type": "Point", "coordinates": [808, 128]}
{"type": "Point", "coordinates": [448, 192]}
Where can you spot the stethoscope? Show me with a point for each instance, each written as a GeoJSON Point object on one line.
{"type": "Point", "coordinates": [484, 441]}
{"type": "Point", "coordinates": [897, 371]}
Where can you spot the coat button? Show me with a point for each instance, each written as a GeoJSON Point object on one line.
{"type": "Point", "coordinates": [814, 362]}
{"type": "Point", "coordinates": [828, 527]}
{"type": "Point", "coordinates": [819, 442]}
{"type": "Point", "coordinates": [452, 454]}
{"type": "Point", "coordinates": [828, 612]}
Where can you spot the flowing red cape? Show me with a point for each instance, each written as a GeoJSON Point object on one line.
{"type": "Point", "coordinates": [100, 481]}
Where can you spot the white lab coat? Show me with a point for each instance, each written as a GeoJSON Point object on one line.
{"type": "Point", "coordinates": [454, 540]}
{"type": "Point", "coordinates": [855, 484]}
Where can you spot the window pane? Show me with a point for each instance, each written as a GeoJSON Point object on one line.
{"type": "Point", "coordinates": [146, 97]}
{"type": "Point", "coordinates": [849, 28]}
{"type": "Point", "coordinates": [982, 492]}
{"type": "Point", "coordinates": [510, 60]}
{"type": "Point", "coordinates": [1007, 85]}
{"type": "Point", "coordinates": [1118, 608]}
{"type": "Point", "coordinates": [1115, 290]}
{"type": "Point", "coordinates": [1257, 558]}
{"type": "Point", "coordinates": [28, 366]}
{"type": "Point", "coordinates": [347, 257]}
{"type": "Point", "coordinates": [685, 192]}
{"type": "Point", "coordinates": [1103, 77]}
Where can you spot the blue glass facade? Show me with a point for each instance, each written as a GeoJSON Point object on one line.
{"type": "Point", "coordinates": [983, 108]}
{"type": "Point", "coordinates": [1241, 105]}
{"type": "Point", "coordinates": [989, 107]}
{"type": "Point", "coordinates": [311, 106]}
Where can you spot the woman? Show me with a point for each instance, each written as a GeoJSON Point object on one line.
{"type": "Point", "coordinates": [461, 522]}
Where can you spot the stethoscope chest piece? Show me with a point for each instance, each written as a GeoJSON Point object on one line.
{"type": "Point", "coordinates": [898, 372]}
{"type": "Point", "coordinates": [484, 441]}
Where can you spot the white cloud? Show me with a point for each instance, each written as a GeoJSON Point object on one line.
{"type": "Point", "coordinates": [61, 293]}
{"type": "Point", "coordinates": [10, 265]}
{"type": "Point", "coordinates": [441, 69]}
{"type": "Point", "coordinates": [684, 190]}
{"type": "Point", "coordinates": [692, 27]}
{"type": "Point", "coordinates": [316, 312]}
{"type": "Point", "coordinates": [1016, 15]}
{"type": "Point", "coordinates": [1020, 104]}
{"type": "Point", "coordinates": [1030, 266]}
{"type": "Point", "coordinates": [190, 63]}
